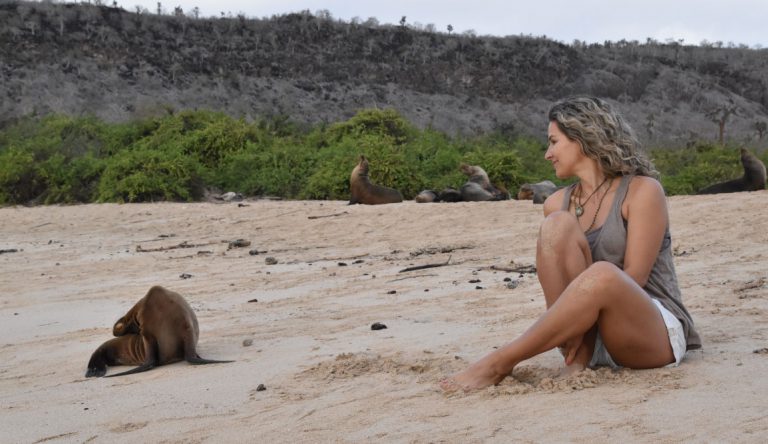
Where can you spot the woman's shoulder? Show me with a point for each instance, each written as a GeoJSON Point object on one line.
{"type": "Point", "coordinates": [644, 186]}
{"type": "Point", "coordinates": [644, 193]}
{"type": "Point", "coordinates": [555, 201]}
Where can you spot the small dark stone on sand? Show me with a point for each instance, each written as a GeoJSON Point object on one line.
{"type": "Point", "coordinates": [761, 351]}
{"type": "Point", "coordinates": [426, 289]}
{"type": "Point", "coordinates": [240, 205]}
{"type": "Point", "coordinates": [378, 326]}
{"type": "Point", "coordinates": [270, 260]}
{"type": "Point", "coordinates": [342, 264]}
{"type": "Point", "coordinates": [474, 281]}
{"type": "Point", "coordinates": [247, 342]}
{"type": "Point", "coordinates": [261, 388]}
{"type": "Point", "coordinates": [254, 300]}
{"type": "Point", "coordinates": [253, 252]}
{"type": "Point", "coordinates": [512, 284]}
{"type": "Point", "coordinates": [185, 275]}
{"type": "Point", "coordinates": [359, 261]}
{"type": "Point", "coordinates": [392, 292]}
{"type": "Point", "coordinates": [507, 279]}
{"type": "Point", "coordinates": [239, 243]}
{"type": "Point", "coordinates": [477, 287]}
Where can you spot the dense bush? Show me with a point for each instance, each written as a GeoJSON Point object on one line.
{"type": "Point", "coordinates": [279, 169]}
{"type": "Point", "coordinates": [145, 174]}
{"type": "Point", "coordinates": [60, 159]}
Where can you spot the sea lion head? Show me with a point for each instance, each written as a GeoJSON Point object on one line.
{"type": "Point", "coordinates": [362, 166]}
{"type": "Point", "coordinates": [125, 325]}
{"type": "Point", "coordinates": [467, 169]}
{"type": "Point", "coordinates": [525, 193]}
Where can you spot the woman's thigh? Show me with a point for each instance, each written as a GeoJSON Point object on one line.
{"type": "Point", "coordinates": [630, 324]}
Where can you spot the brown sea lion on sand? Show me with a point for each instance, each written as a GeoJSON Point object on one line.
{"type": "Point", "coordinates": [449, 195]}
{"type": "Point", "coordinates": [160, 329]}
{"type": "Point", "coordinates": [753, 179]}
{"type": "Point", "coordinates": [478, 187]}
{"type": "Point", "coordinates": [365, 192]}
{"type": "Point", "coordinates": [538, 192]}
{"type": "Point", "coordinates": [426, 196]}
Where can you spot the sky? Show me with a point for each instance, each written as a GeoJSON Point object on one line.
{"type": "Point", "coordinates": [591, 21]}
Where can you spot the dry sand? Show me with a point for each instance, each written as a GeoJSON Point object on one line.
{"type": "Point", "coordinates": [328, 376]}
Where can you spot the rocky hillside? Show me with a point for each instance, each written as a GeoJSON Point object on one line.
{"type": "Point", "coordinates": [80, 59]}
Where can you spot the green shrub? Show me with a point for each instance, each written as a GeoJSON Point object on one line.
{"type": "Point", "coordinates": [141, 175]}
{"type": "Point", "coordinates": [281, 169]}
{"type": "Point", "coordinates": [70, 181]}
{"type": "Point", "coordinates": [18, 178]}
{"type": "Point", "coordinates": [374, 122]}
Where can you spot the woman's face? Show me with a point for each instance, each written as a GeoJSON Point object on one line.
{"type": "Point", "coordinates": [563, 152]}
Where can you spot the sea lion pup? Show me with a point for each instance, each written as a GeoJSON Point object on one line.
{"type": "Point", "coordinates": [538, 192]}
{"type": "Point", "coordinates": [160, 329]}
{"type": "Point", "coordinates": [479, 187]}
{"type": "Point", "coordinates": [364, 192]}
{"type": "Point", "coordinates": [426, 196]}
{"type": "Point", "coordinates": [753, 179]}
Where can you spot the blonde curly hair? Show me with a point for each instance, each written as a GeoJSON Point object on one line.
{"type": "Point", "coordinates": [603, 134]}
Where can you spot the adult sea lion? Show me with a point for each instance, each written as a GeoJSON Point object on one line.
{"type": "Point", "coordinates": [160, 329]}
{"type": "Point", "coordinates": [538, 192]}
{"type": "Point", "coordinates": [365, 192]}
{"type": "Point", "coordinates": [753, 179]}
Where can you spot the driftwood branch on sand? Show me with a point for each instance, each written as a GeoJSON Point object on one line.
{"type": "Point", "coordinates": [184, 244]}
{"type": "Point", "coordinates": [422, 267]}
{"type": "Point", "coordinates": [328, 215]}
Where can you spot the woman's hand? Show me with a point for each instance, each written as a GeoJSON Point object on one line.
{"type": "Point", "coordinates": [570, 348]}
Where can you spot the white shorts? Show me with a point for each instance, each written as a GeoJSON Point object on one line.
{"type": "Point", "coordinates": [601, 357]}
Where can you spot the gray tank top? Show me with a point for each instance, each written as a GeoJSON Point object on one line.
{"type": "Point", "coordinates": [609, 242]}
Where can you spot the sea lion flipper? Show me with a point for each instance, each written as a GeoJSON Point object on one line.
{"type": "Point", "coordinates": [97, 367]}
{"type": "Point", "coordinates": [142, 368]}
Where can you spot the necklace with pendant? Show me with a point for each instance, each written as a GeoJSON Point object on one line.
{"type": "Point", "coordinates": [579, 204]}
{"type": "Point", "coordinates": [599, 204]}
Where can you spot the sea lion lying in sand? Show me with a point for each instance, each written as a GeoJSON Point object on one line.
{"type": "Point", "coordinates": [538, 192]}
{"type": "Point", "coordinates": [426, 196]}
{"type": "Point", "coordinates": [478, 188]}
{"type": "Point", "coordinates": [753, 179]}
{"type": "Point", "coordinates": [365, 192]}
{"type": "Point", "coordinates": [160, 329]}
{"type": "Point", "coordinates": [447, 195]}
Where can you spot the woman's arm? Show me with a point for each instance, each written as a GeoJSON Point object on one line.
{"type": "Point", "coordinates": [645, 210]}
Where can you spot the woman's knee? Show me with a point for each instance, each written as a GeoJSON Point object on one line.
{"type": "Point", "coordinates": [601, 278]}
{"type": "Point", "coordinates": [557, 228]}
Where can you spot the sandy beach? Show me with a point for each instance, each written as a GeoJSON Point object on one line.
{"type": "Point", "coordinates": [302, 327]}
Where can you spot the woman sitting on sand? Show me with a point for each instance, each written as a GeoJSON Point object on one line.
{"type": "Point", "coordinates": [603, 257]}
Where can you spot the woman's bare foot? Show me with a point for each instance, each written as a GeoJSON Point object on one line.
{"type": "Point", "coordinates": [476, 377]}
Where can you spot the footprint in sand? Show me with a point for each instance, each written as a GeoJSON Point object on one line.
{"type": "Point", "coordinates": [128, 427]}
